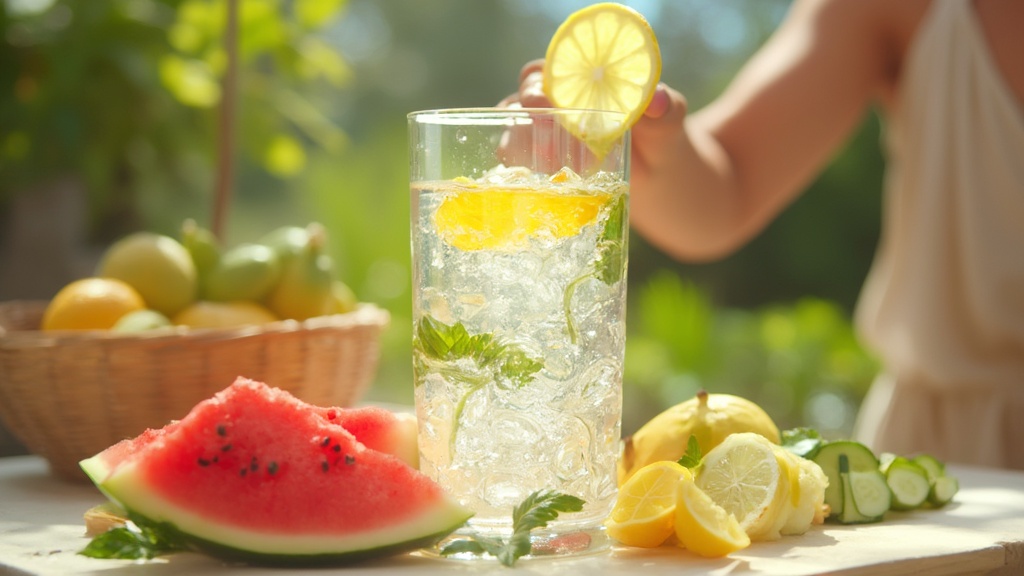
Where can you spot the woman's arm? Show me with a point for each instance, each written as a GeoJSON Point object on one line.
{"type": "Point", "coordinates": [703, 185]}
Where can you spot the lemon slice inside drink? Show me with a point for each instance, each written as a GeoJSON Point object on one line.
{"type": "Point", "coordinates": [644, 511]}
{"type": "Point", "coordinates": [506, 219]}
{"type": "Point", "coordinates": [603, 57]}
{"type": "Point", "coordinates": [703, 527]}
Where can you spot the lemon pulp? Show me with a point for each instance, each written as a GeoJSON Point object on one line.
{"type": "Point", "coordinates": [602, 57]}
{"type": "Point", "coordinates": [507, 218]}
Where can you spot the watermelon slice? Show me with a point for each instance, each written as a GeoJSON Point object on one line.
{"type": "Point", "coordinates": [380, 429]}
{"type": "Point", "coordinates": [254, 474]}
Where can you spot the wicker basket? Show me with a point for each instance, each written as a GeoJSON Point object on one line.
{"type": "Point", "coordinates": [69, 395]}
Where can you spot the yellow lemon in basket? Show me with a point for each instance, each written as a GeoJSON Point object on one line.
{"type": "Point", "coordinates": [158, 266]}
{"type": "Point", "coordinates": [206, 314]}
{"type": "Point", "coordinates": [91, 304]}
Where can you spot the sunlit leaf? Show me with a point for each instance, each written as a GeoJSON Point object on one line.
{"type": "Point", "coordinates": [285, 156]}
{"type": "Point", "coordinates": [185, 37]}
{"type": "Point", "coordinates": [318, 59]}
{"type": "Point", "coordinates": [316, 13]}
{"type": "Point", "coordinates": [206, 17]}
{"type": "Point", "coordinates": [261, 27]}
{"type": "Point", "coordinates": [191, 81]}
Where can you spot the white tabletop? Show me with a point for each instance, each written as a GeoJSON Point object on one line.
{"type": "Point", "coordinates": [41, 529]}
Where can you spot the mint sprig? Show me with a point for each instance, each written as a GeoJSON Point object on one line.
{"type": "Point", "coordinates": [534, 512]}
{"type": "Point", "coordinates": [507, 365]}
{"type": "Point", "coordinates": [608, 266]}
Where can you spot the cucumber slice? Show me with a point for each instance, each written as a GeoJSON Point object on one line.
{"type": "Point", "coordinates": [859, 458]}
{"type": "Point", "coordinates": [942, 490]}
{"type": "Point", "coordinates": [932, 465]}
{"type": "Point", "coordinates": [907, 481]}
{"type": "Point", "coordinates": [866, 496]}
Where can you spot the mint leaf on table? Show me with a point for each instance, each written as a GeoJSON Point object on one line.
{"type": "Point", "coordinates": [804, 442]}
{"type": "Point", "coordinates": [136, 540]}
{"type": "Point", "coordinates": [534, 512]}
{"type": "Point", "coordinates": [691, 459]}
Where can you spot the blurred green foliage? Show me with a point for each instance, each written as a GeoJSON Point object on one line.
{"type": "Point", "coordinates": [800, 361]}
{"type": "Point", "coordinates": [123, 94]}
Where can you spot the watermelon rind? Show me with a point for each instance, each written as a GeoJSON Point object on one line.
{"type": "Point", "coordinates": [125, 487]}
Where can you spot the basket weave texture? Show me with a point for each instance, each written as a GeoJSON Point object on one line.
{"type": "Point", "coordinates": [70, 395]}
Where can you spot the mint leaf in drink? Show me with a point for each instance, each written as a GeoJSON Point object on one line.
{"type": "Point", "coordinates": [534, 512]}
{"type": "Point", "coordinates": [612, 246]}
{"type": "Point", "coordinates": [449, 342]}
{"type": "Point", "coordinates": [608, 266]}
{"type": "Point", "coordinates": [507, 365]}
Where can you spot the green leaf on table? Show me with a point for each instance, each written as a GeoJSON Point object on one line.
{"type": "Point", "coordinates": [136, 540]}
{"type": "Point", "coordinates": [804, 442]}
{"type": "Point", "coordinates": [534, 512]}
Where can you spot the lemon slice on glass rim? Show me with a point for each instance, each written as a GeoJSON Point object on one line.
{"type": "Point", "coordinates": [603, 57]}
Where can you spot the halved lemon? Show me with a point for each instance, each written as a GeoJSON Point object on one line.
{"type": "Point", "coordinates": [644, 511]}
{"type": "Point", "coordinates": [506, 219]}
{"type": "Point", "coordinates": [746, 476]}
{"type": "Point", "coordinates": [603, 57]}
{"type": "Point", "coordinates": [703, 527]}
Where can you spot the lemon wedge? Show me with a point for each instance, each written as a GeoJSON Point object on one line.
{"type": "Point", "coordinates": [703, 527]}
{"type": "Point", "coordinates": [644, 511]}
{"type": "Point", "coordinates": [603, 57]}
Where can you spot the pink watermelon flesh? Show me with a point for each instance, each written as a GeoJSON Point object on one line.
{"type": "Point", "coordinates": [256, 473]}
{"type": "Point", "coordinates": [379, 429]}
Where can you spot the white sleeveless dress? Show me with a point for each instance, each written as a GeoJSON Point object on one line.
{"type": "Point", "coordinates": [943, 305]}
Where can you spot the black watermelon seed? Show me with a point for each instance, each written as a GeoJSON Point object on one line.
{"type": "Point", "coordinates": [350, 459]}
{"type": "Point", "coordinates": [272, 468]}
{"type": "Point", "coordinates": [222, 430]}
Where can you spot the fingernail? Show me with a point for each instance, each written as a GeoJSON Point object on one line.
{"type": "Point", "coordinates": [659, 103]}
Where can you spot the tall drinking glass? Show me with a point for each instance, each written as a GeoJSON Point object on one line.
{"type": "Point", "coordinates": [519, 244]}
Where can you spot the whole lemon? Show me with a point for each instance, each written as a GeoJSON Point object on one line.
{"type": "Point", "coordinates": [208, 314]}
{"type": "Point", "coordinates": [709, 417]}
{"type": "Point", "coordinates": [245, 272]}
{"type": "Point", "coordinates": [91, 304]}
{"type": "Point", "coordinates": [158, 266]}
